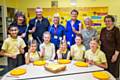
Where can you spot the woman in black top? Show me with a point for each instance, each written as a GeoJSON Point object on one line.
{"type": "Point", "coordinates": [110, 45]}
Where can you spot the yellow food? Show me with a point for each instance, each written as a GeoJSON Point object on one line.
{"type": "Point", "coordinates": [64, 61]}
{"type": "Point", "coordinates": [101, 75]}
{"type": "Point", "coordinates": [39, 63]}
{"type": "Point", "coordinates": [18, 72]}
{"type": "Point", "coordinates": [81, 64]}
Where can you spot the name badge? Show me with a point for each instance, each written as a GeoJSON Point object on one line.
{"type": "Point", "coordinates": [60, 38]}
{"type": "Point", "coordinates": [72, 35]}
{"type": "Point", "coordinates": [55, 37]}
{"type": "Point", "coordinates": [68, 43]}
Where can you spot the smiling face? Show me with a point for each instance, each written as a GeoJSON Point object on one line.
{"type": "Point", "coordinates": [63, 46]}
{"type": "Point", "coordinates": [33, 47]}
{"type": "Point", "coordinates": [13, 32]}
{"type": "Point", "coordinates": [88, 23]}
{"type": "Point", "coordinates": [46, 38]}
{"type": "Point", "coordinates": [93, 45]}
{"type": "Point", "coordinates": [74, 15]}
{"type": "Point", "coordinates": [108, 22]}
{"type": "Point", "coordinates": [20, 19]}
{"type": "Point", "coordinates": [56, 20]}
{"type": "Point", "coordinates": [78, 40]}
{"type": "Point", "coordinates": [39, 13]}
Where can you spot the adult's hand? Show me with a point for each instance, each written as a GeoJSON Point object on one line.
{"type": "Point", "coordinates": [114, 57]}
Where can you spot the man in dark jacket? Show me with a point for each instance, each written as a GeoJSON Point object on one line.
{"type": "Point", "coordinates": [38, 25]}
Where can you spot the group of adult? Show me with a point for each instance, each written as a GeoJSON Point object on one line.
{"type": "Point", "coordinates": [109, 36]}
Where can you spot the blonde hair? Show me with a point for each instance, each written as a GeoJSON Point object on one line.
{"type": "Point", "coordinates": [46, 33]}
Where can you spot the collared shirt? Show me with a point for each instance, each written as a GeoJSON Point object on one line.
{"type": "Point", "coordinates": [70, 35]}
{"type": "Point", "coordinates": [98, 57]}
{"type": "Point", "coordinates": [56, 34]}
{"type": "Point", "coordinates": [33, 56]}
{"type": "Point", "coordinates": [11, 46]}
{"type": "Point", "coordinates": [87, 35]}
{"type": "Point", "coordinates": [49, 51]}
{"type": "Point", "coordinates": [41, 27]}
{"type": "Point", "coordinates": [78, 52]}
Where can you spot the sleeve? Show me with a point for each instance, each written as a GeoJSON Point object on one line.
{"type": "Point", "coordinates": [101, 35]}
{"type": "Point", "coordinates": [117, 39]}
{"type": "Point", "coordinates": [49, 28]}
{"type": "Point", "coordinates": [31, 25]}
{"type": "Point", "coordinates": [72, 51]}
{"type": "Point", "coordinates": [96, 34]}
{"type": "Point", "coordinates": [26, 54]}
{"type": "Point", "coordinates": [53, 48]}
{"type": "Point", "coordinates": [5, 46]}
{"type": "Point", "coordinates": [23, 45]}
{"type": "Point", "coordinates": [63, 31]}
{"type": "Point", "coordinates": [86, 55]}
{"type": "Point", "coordinates": [66, 28]}
{"type": "Point", "coordinates": [58, 54]}
{"type": "Point", "coordinates": [68, 55]}
{"type": "Point", "coordinates": [48, 24]}
{"type": "Point", "coordinates": [84, 48]}
{"type": "Point", "coordinates": [40, 47]}
{"type": "Point", "coordinates": [103, 57]}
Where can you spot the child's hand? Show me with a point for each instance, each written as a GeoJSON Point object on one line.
{"type": "Point", "coordinates": [60, 50]}
{"type": "Point", "coordinates": [14, 56]}
{"type": "Point", "coordinates": [21, 50]}
{"type": "Point", "coordinates": [23, 35]}
{"type": "Point", "coordinates": [42, 52]}
{"type": "Point", "coordinates": [73, 29]}
{"type": "Point", "coordinates": [91, 62]}
{"type": "Point", "coordinates": [72, 54]}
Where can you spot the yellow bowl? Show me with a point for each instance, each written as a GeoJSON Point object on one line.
{"type": "Point", "coordinates": [81, 64]}
{"type": "Point", "coordinates": [18, 72]}
{"type": "Point", "coordinates": [101, 75]}
{"type": "Point", "coordinates": [39, 63]}
{"type": "Point", "coordinates": [64, 61]}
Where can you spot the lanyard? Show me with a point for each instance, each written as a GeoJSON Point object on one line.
{"type": "Point", "coordinates": [55, 30]}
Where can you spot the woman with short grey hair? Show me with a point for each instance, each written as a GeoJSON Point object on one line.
{"type": "Point", "coordinates": [88, 32]}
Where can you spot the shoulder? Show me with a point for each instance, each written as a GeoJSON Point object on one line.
{"type": "Point", "coordinates": [19, 38]}
{"type": "Point", "coordinates": [116, 28]}
{"type": "Point", "coordinates": [101, 52]}
{"type": "Point", "coordinates": [88, 51]}
{"type": "Point", "coordinates": [68, 21]}
{"type": "Point", "coordinates": [78, 21]}
{"type": "Point", "coordinates": [42, 44]}
{"type": "Point", "coordinates": [83, 30]}
{"type": "Point", "coordinates": [7, 40]}
{"type": "Point", "coordinates": [103, 29]}
{"type": "Point", "coordinates": [61, 26]}
{"type": "Point", "coordinates": [93, 29]}
{"type": "Point", "coordinates": [73, 46]}
{"type": "Point", "coordinates": [51, 44]}
{"type": "Point", "coordinates": [83, 47]}
{"type": "Point", "coordinates": [32, 20]}
{"type": "Point", "coordinates": [45, 19]}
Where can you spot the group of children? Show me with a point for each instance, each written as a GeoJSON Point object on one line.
{"type": "Point", "coordinates": [13, 48]}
